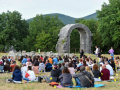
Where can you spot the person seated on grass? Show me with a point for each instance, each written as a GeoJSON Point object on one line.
{"type": "Point", "coordinates": [36, 61]}
{"type": "Point", "coordinates": [71, 69]}
{"type": "Point", "coordinates": [23, 69]}
{"type": "Point", "coordinates": [36, 68]}
{"type": "Point", "coordinates": [7, 66]}
{"type": "Point", "coordinates": [105, 73]}
{"type": "Point", "coordinates": [109, 68]}
{"type": "Point", "coordinates": [60, 60]}
{"type": "Point", "coordinates": [84, 64]}
{"type": "Point", "coordinates": [30, 75]}
{"type": "Point", "coordinates": [9, 59]}
{"type": "Point", "coordinates": [20, 59]}
{"type": "Point", "coordinates": [24, 60]}
{"type": "Point", "coordinates": [41, 57]}
{"type": "Point", "coordinates": [96, 73]}
{"type": "Point", "coordinates": [84, 78]}
{"type": "Point", "coordinates": [16, 76]}
{"type": "Point", "coordinates": [87, 68]}
{"type": "Point", "coordinates": [74, 63]}
{"type": "Point", "coordinates": [41, 66]}
{"type": "Point", "coordinates": [55, 60]}
{"type": "Point", "coordinates": [62, 66]}
{"type": "Point", "coordinates": [112, 64]}
{"type": "Point", "coordinates": [59, 65]}
{"type": "Point", "coordinates": [65, 78]}
{"type": "Point", "coordinates": [28, 63]}
{"type": "Point", "coordinates": [50, 60]}
{"type": "Point", "coordinates": [55, 73]}
{"type": "Point", "coordinates": [48, 66]}
{"type": "Point", "coordinates": [12, 65]}
{"type": "Point", "coordinates": [80, 63]}
{"type": "Point", "coordinates": [87, 61]}
{"type": "Point", "coordinates": [94, 62]}
{"type": "Point", "coordinates": [54, 76]}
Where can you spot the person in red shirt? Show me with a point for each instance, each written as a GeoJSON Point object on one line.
{"type": "Point", "coordinates": [105, 73]}
{"type": "Point", "coordinates": [12, 66]}
{"type": "Point", "coordinates": [41, 57]}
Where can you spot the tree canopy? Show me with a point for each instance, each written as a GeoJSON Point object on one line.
{"type": "Point", "coordinates": [43, 32]}
{"type": "Point", "coordinates": [109, 24]}
{"type": "Point", "coordinates": [12, 30]}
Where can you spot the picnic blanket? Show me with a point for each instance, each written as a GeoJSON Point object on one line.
{"type": "Point", "coordinates": [96, 85]}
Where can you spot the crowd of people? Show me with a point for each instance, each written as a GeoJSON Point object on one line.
{"type": "Point", "coordinates": [84, 70]}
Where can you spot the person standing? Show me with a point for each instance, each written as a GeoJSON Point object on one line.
{"type": "Point", "coordinates": [111, 51]}
{"type": "Point", "coordinates": [96, 51]}
{"type": "Point", "coordinates": [81, 53]}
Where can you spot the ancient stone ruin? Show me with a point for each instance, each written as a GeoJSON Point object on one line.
{"type": "Point", "coordinates": [63, 44]}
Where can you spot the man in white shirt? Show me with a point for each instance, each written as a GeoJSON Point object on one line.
{"type": "Point", "coordinates": [96, 51]}
{"type": "Point", "coordinates": [109, 68]}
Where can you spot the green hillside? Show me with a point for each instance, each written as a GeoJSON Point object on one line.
{"type": "Point", "coordinates": [94, 15]}
{"type": "Point", "coordinates": [67, 19]}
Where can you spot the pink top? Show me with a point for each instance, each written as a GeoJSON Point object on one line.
{"type": "Point", "coordinates": [36, 69]}
{"type": "Point", "coordinates": [72, 70]}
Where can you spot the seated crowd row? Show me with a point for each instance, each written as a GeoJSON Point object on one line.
{"type": "Point", "coordinates": [84, 70]}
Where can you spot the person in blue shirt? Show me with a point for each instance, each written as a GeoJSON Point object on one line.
{"type": "Point", "coordinates": [80, 63]}
{"type": "Point", "coordinates": [17, 75]}
{"type": "Point", "coordinates": [48, 66]}
{"type": "Point", "coordinates": [55, 60]}
{"type": "Point", "coordinates": [24, 60]}
{"type": "Point", "coordinates": [9, 59]}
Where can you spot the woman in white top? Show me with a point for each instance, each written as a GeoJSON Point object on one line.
{"type": "Point", "coordinates": [30, 75]}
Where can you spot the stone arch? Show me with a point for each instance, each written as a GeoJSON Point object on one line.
{"type": "Point", "coordinates": [63, 44]}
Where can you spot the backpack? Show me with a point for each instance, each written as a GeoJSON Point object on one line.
{"type": "Point", "coordinates": [53, 84]}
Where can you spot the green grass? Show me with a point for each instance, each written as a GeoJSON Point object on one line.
{"type": "Point", "coordinates": [45, 86]}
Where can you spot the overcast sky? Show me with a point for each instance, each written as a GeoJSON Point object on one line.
{"type": "Point", "coordinates": [73, 8]}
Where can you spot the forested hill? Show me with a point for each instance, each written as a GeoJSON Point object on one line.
{"type": "Point", "coordinates": [69, 20]}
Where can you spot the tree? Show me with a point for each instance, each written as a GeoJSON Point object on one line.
{"type": "Point", "coordinates": [12, 30]}
{"type": "Point", "coordinates": [79, 20]}
{"type": "Point", "coordinates": [74, 41]}
{"type": "Point", "coordinates": [43, 32]}
{"type": "Point", "coordinates": [109, 24]}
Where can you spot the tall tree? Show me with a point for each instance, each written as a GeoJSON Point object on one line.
{"type": "Point", "coordinates": [74, 41]}
{"type": "Point", "coordinates": [43, 32]}
{"type": "Point", "coordinates": [109, 24]}
{"type": "Point", "coordinates": [12, 30]}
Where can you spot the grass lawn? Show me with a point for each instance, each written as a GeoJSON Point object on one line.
{"type": "Point", "coordinates": [45, 86]}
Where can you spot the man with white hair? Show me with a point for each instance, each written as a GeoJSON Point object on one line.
{"type": "Point", "coordinates": [109, 68]}
{"type": "Point", "coordinates": [105, 73]}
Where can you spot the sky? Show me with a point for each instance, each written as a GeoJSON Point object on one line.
{"type": "Point", "coordinates": [73, 8]}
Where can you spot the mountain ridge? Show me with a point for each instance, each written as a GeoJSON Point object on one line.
{"type": "Point", "coordinates": [68, 19]}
